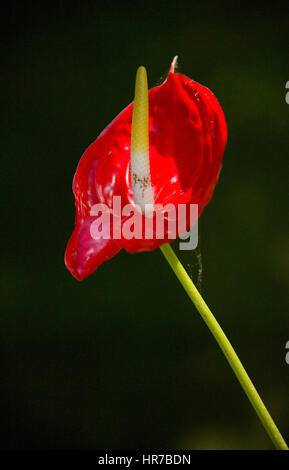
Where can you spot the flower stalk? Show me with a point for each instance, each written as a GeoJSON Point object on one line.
{"type": "Point", "coordinates": [226, 347]}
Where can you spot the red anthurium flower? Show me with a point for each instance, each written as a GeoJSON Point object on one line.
{"type": "Point", "coordinates": [187, 137]}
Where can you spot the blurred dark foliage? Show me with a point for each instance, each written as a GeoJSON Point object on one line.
{"type": "Point", "coordinates": [122, 360]}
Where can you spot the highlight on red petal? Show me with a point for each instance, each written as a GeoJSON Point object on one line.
{"type": "Point", "coordinates": [187, 137]}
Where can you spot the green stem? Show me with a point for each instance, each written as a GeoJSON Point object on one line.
{"type": "Point", "coordinates": [226, 347]}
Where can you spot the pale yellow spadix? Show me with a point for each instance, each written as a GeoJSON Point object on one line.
{"type": "Point", "coordinates": [140, 163]}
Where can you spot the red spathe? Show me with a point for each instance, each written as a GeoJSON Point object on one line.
{"type": "Point", "coordinates": [187, 137]}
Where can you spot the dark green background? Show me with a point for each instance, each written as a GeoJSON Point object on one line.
{"type": "Point", "coordinates": [122, 359]}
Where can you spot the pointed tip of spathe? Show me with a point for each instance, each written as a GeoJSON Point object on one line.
{"type": "Point", "coordinates": [174, 64]}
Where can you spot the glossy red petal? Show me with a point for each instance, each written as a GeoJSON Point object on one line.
{"type": "Point", "coordinates": [84, 254]}
{"type": "Point", "coordinates": [187, 133]}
